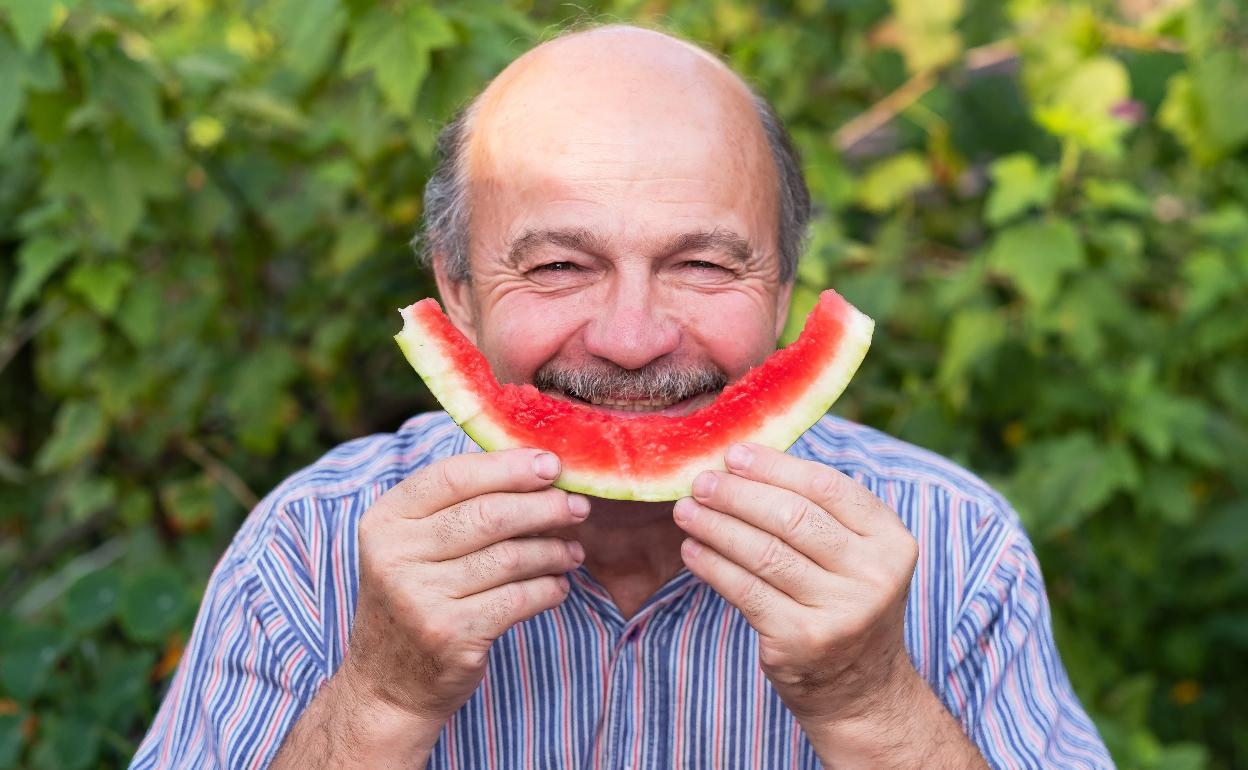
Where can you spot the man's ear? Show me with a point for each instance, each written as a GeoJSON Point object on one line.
{"type": "Point", "coordinates": [457, 299]}
{"type": "Point", "coordinates": [782, 306]}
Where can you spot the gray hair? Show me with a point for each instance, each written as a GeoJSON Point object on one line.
{"type": "Point", "coordinates": [446, 208]}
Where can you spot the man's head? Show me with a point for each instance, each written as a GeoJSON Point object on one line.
{"type": "Point", "coordinates": [617, 218]}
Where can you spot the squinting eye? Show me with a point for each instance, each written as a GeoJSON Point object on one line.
{"type": "Point", "coordinates": [556, 267]}
{"type": "Point", "coordinates": [704, 265]}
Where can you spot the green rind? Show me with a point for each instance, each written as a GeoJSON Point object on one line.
{"type": "Point", "coordinates": [779, 432]}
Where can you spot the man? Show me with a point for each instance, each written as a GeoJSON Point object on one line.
{"type": "Point", "coordinates": [617, 220]}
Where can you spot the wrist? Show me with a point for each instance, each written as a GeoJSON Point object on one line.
{"type": "Point", "coordinates": [382, 727]}
{"type": "Point", "coordinates": [876, 725]}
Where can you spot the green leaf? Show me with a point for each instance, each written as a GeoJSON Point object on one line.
{"type": "Point", "coordinates": [11, 739]}
{"type": "Point", "coordinates": [12, 95]}
{"type": "Point", "coordinates": [37, 259]}
{"type": "Point", "coordinates": [70, 347]}
{"type": "Point", "coordinates": [1166, 492]}
{"type": "Point", "coordinates": [139, 315]}
{"type": "Point", "coordinates": [1061, 481]}
{"type": "Point", "coordinates": [1019, 184]}
{"type": "Point", "coordinates": [80, 429]}
{"type": "Point", "coordinates": [1035, 256]}
{"type": "Point", "coordinates": [101, 284]}
{"type": "Point", "coordinates": [122, 685]}
{"type": "Point", "coordinates": [1118, 196]}
{"type": "Point", "coordinates": [66, 743]}
{"type": "Point", "coordinates": [928, 31]}
{"type": "Point", "coordinates": [1081, 107]}
{"type": "Point", "coordinates": [1162, 420]}
{"type": "Point", "coordinates": [310, 30]}
{"type": "Point", "coordinates": [1206, 108]}
{"type": "Point", "coordinates": [30, 652]}
{"type": "Point", "coordinates": [153, 603]}
{"type": "Point", "coordinates": [87, 495]}
{"type": "Point", "coordinates": [395, 47]}
{"type": "Point", "coordinates": [130, 90]}
{"type": "Point", "coordinates": [113, 179]}
{"type": "Point", "coordinates": [190, 502]}
{"type": "Point", "coordinates": [31, 20]}
{"type": "Point", "coordinates": [92, 601]}
{"type": "Point", "coordinates": [972, 336]}
{"type": "Point", "coordinates": [357, 237]}
{"type": "Point", "coordinates": [891, 181]}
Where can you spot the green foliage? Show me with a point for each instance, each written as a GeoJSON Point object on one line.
{"type": "Point", "coordinates": [204, 219]}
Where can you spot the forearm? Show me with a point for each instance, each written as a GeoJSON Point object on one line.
{"type": "Point", "coordinates": [911, 730]}
{"type": "Point", "coordinates": [342, 729]}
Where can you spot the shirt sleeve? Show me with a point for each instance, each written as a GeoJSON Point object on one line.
{"type": "Point", "coordinates": [1006, 681]}
{"type": "Point", "coordinates": [243, 679]}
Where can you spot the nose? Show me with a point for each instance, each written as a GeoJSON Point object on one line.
{"type": "Point", "coordinates": [632, 329]}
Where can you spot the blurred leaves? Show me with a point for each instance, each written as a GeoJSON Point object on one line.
{"type": "Point", "coordinates": [205, 220]}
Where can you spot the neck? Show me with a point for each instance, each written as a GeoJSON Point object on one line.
{"type": "Point", "coordinates": [631, 548]}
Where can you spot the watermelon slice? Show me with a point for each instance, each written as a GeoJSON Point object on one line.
{"type": "Point", "coordinates": [646, 457]}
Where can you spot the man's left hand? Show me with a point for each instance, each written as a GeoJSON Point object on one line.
{"type": "Point", "coordinates": [820, 567]}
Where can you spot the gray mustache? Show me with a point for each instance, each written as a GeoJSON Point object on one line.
{"type": "Point", "coordinates": [658, 382]}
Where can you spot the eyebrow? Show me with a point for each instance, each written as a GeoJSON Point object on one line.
{"type": "Point", "coordinates": [586, 242]}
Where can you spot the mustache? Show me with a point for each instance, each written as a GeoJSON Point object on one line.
{"type": "Point", "coordinates": [658, 381]}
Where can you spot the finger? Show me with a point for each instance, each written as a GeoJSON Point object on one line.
{"type": "Point", "coordinates": [511, 561]}
{"type": "Point", "coordinates": [477, 522]}
{"type": "Point", "coordinates": [851, 503]}
{"type": "Point", "coordinates": [494, 611]}
{"type": "Point", "coordinates": [763, 605]}
{"type": "Point", "coordinates": [760, 553]}
{"type": "Point", "coordinates": [796, 520]}
{"type": "Point", "coordinates": [464, 476]}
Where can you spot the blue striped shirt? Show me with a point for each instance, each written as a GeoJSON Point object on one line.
{"type": "Point", "coordinates": [676, 685]}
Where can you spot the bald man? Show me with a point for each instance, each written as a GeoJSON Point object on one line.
{"type": "Point", "coordinates": [617, 220]}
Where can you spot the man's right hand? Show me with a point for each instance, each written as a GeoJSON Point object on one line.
{"type": "Point", "coordinates": [450, 558]}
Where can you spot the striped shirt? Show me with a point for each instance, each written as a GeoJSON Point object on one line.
{"type": "Point", "coordinates": [677, 685]}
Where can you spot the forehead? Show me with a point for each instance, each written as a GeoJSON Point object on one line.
{"type": "Point", "coordinates": [635, 128]}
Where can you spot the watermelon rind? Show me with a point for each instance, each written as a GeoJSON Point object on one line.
{"type": "Point", "coordinates": [456, 395]}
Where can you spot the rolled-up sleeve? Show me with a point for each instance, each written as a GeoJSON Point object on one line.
{"type": "Point", "coordinates": [1006, 682]}
{"type": "Point", "coordinates": [243, 679]}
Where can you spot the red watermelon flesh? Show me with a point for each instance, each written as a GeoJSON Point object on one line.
{"type": "Point", "coordinates": [641, 457]}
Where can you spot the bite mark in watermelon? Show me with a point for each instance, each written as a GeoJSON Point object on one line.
{"type": "Point", "coordinates": [648, 457]}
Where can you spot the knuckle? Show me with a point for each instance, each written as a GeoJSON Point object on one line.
{"type": "Point", "coordinates": [452, 526]}
{"type": "Point", "coordinates": [797, 518]}
{"type": "Point", "coordinates": [499, 610]}
{"type": "Point", "coordinates": [481, 565]}
{"type": "Point", "coordinates": [827, 486]}
{"type": "Point", "coordinates": [508, 556]}
{"type": "Point", "coordinates": [417, 486]}
{"type": "Point", "coordinates": [484, 516]}
{"type": "Point", "coordinates": [775, 559]}
{"type": "Point", "coordinates": [754, 599]}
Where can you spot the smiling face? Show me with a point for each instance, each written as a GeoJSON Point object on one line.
{"type": "Point", "coordinates": [623, 233]}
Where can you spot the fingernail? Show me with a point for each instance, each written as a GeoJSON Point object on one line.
{"type": "Point", "coordinates": [578, 505]}
{"type": "Point", "coordinates": [685, 509]}
{"type": "Point", "coordinates": [704, 484]}
{"type": "Point", "coordinates": [738, 457]}
{"type": "Point", "coordinates": [564, 585]}
{"type": "Point", "coordinates": [578, 550]}
{"type": "Point", "coordinates": [546, 465]}
{"type": "Point", "coordinates": [691, 547]}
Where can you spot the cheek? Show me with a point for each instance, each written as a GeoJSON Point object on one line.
{"type": "Point", "coordinates": [522, 333]}
{"type": "Point", "coordinates": [736, 332]}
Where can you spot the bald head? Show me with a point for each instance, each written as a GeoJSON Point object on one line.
{"type": "Point", "coordinates": [582, 106]}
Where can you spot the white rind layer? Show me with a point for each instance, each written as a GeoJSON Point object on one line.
{"type": "Point", "coordinates": [458, 398]}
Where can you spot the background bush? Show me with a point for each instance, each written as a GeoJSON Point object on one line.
{"type": "Point", "coordinates": [204, 212]}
